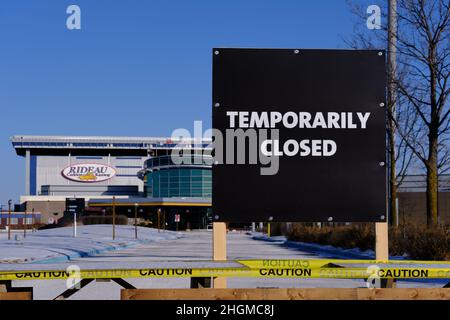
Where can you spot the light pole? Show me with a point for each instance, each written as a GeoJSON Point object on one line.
{"type": "Point", "coordinates": [9, 219]}
{"type": "Point", "coordinates": [159, 219]}
{"type": "Point", "coordinates": [75, 223]}
{"type": "Point", "coordinates": [188, 223]}
{"type": "Point", "coordinates": [135, 220]}
{"type": "Point", "coordinates": [164, 221]}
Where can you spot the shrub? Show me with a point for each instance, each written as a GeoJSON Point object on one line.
{"type": "Point", "coordinates": [276, 228]}
{"type": "Point", "coordinates": [418, 242]}
{"type": "Point", "coordinates": [302, 233]}
{"type": "Point", "coordinates": [358, 236]}
{"type": "Point", "coordinates": [428, 244]}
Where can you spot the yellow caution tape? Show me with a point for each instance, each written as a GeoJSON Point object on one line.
{"type": "Point", "coordinates": [267, 268]}
{"type": "Point", "coordinates": [319, 263]}
{"type": "Point", "coordinates": [341, 273]}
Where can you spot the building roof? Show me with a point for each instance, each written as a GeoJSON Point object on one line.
{"type": "Point", "coordinates": [418, 183]}
{"type": "Point", "coordinates": [55, 143]}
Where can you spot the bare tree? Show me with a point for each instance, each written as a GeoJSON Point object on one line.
{"type": "Point", "coordinates": [424, 45]}
{"type": "Point", "coordinates": [423, 49]}
{"type": "Point", "coordinates": [399, 154]}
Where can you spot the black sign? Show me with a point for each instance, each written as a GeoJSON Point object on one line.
{"type": "Point", "coordinates": [318, 119]}
{"type": "Point", "coordinates": [75, 205]}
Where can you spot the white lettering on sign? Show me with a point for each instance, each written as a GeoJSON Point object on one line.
{"type": "Point", "coordinates": [302, 120]}
{"type": "Point", "coordinates": [88, 172]}
{"type": "Point", "coordinates": [315, 148]}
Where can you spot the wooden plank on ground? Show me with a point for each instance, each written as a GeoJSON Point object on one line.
{"type": "Point", "coordinates": [404, 294]}
{"type": "Point", "coordinates": [288, 294]}
{"type": "Point", "coordinates": [16, 295]}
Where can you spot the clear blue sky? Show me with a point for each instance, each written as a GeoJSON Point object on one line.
{"type": "Point", "coordinates": [137, 68]}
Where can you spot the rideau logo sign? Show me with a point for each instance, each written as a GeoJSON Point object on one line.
{"type": "Point", "coordinates": [88, 172]}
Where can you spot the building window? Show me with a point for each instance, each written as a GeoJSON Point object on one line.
{"type": "Point", "coordinates": [169, 180]}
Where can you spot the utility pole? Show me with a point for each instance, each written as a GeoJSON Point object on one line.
{"type": "Point", "coordinates": [381, 228]}
{"type": "Point", "coordinates": [114, 218]}
{"type": "Point", "coordinates": [9, 219]}
{"type": "Point", "coordinates": [392, 100]}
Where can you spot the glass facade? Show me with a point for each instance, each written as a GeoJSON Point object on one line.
{"type": "Point", "coordinates": [166, 179]}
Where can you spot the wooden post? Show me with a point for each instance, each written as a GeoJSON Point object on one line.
{"type": "Point", "coordinates": [219, 250]}
{"type": "Point", "coordinates": [25, 224]}
{"type": "Point", "coordinates": [114, 218]}
{"type": "Point", "coordinates": [135, 220]}
{"type": "Point", "coordinates": [33, 218]}
{"type": "Point", "coordinates": [381, 241]}
{"type": "Point", "coordinates": [9, 219]}
{"type": "Point", "coordinates": [382, 249]}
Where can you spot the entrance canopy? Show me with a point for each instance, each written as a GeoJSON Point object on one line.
{"type": "Point", "coordinates": [153, 202]}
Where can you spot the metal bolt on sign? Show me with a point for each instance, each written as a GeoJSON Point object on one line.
{"type": "Point", "coordinates": [216, 52]}
{"type": "Point", "coordinates": [296, 51]}
{"type": "Point", "coordinates": [217, 104]}
{"type": "Point", "coordinates": [381, 164]}
{"type": "Point", "coordinates": [380, 53]}
{"type": "Point", "coordinates": [382, 104]}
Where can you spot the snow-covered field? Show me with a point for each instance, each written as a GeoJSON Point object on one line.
{"type": "Point", "coordinates": [59, 245]}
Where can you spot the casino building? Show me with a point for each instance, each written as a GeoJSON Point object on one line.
{"type": "Point", "coordinates": [129, 173]}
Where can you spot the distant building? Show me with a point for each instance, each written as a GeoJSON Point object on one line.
{"type": "Point", "coordinates": [100, 168]}
{"type": "Point", "coordinates": [412, 199]}
{"type": "Point", "coordinates": [19, 219]}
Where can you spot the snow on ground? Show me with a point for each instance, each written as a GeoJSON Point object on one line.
{"type": "Point", "coordinates": [324, 251]}
{"type": "Point", "coordinates": [59, 245]}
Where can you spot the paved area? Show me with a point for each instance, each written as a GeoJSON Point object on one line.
{"type": "Point", "coordinates": [197, 245]}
